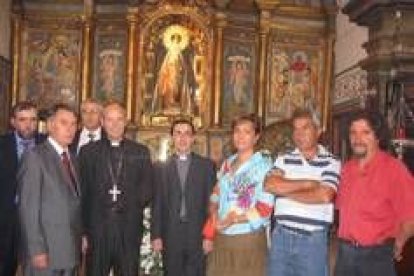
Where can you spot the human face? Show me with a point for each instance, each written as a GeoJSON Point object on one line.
{"type": "Point", "coordinates": [62, 127]}
{"type": "Point", "coordinates": [114, 122]}
{"type": "Point", "coordinates": [306, 135]}
{"type": "Point", "coordinates": [244, 137]}
{"type": "Point", "coordinates": [363, 141]}
{"type": "Point", "coordinates": [91, 115]}
{"type": "Point", "coordinates": [25, 123]}
{"type": "Point", "coordinates": [183, 138]}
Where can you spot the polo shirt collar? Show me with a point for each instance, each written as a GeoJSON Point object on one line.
{"type": "Point", "coordinates": [321, 151]}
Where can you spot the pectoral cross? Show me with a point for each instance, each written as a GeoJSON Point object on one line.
{"type": "Point", "coordinates": [114, 192]}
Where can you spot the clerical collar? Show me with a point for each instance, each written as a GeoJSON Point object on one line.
{"type": "Point", "coordinates": [182, 156]}
{"type": "Point", "coordinates": [115, 143]}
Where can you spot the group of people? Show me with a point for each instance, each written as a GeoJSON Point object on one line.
{"type": "Point", "coordinates": [79, 195]}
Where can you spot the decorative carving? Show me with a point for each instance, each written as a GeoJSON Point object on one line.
{"type": "Point", "coordinates": [50, 66]}
{"type": "Point", "coordinates": [109, 65]}
{"type": "Point", "coordinates": [174, 79]}
{"type": "Point", "coordinates": [239, 67]}
{"type": "Point", "coordinates": [296, 70]}
{"type": "Point", "coordinates": [350, 85]}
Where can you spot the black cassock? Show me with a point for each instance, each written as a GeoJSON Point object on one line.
{"type": "Point", "coordinates": [116, 185]}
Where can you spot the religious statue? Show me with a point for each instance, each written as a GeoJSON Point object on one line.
{"type": "Point", "coordinates": [108, 67]}
{"type": "Point", "coordinates": [238, 80]}
{"type": "Point", "coordinates": [175, 85]}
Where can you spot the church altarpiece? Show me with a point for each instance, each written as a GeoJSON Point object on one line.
{"type": "Point", "coordinates": [172, 60]}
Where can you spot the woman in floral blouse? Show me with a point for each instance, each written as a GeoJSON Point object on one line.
{"type": "Point", "coordinates": [239, 207]}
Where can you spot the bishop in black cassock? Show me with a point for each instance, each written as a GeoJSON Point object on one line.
{"type": "Point", "coordinates": [116, 182]}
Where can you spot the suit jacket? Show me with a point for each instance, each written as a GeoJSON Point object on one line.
{"type": "Point", "coordinates": [49, 207]}
{"type": "Point", "coordinates": [137, 185]}
{"type": "Point", "coordinates": [201, 178]}
{"type": "Point", "coordinates": [8, 184]}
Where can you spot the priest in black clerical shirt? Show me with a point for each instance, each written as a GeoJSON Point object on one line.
{"type": "Point", "coordinates": [116, 177]}
{"type": "Point", "coordinates": [183, 185]}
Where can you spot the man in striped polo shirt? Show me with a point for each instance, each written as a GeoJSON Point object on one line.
{"type": "Point", "coordinates": [305, 183]}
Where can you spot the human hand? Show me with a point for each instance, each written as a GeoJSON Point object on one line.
{"type": "Point", "coordinates": [398, 249]}
{"type": "Point", "coordinates": [207, 246]}
{"type": "Point", "coordinates": [157, 245]}
{"type": "Point", "coordinates": [40, 261]}
{"type": "Point", "coordinates": [85, 244]}
{"type": "Point", "coordinates": [229, 220]}
{"type": "Point", "coordinates": [271, 182]}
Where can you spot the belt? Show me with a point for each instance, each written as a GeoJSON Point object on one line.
{"type": "Point", "coordinates": [358, 245]}
{"type": "Point", "coordinates": [298, 231]}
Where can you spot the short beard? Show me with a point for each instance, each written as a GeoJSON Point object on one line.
{"type": "Point", "coordinates": [360, 155]}
{"type": "Point", "coordinates": [26, 137]}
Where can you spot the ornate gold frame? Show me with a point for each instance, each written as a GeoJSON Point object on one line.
{"type": "Point", "coordinates": [150, 16]}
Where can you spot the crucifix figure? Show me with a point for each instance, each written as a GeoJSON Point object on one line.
{"type": "Point", "coordinates": [114, 192]}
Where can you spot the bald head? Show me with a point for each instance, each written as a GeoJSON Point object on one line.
{"type": "Point", "coordinates": [114, 120]}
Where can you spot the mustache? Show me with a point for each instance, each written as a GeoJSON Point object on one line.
{"type": "Point", "coordinates": [359, 144]}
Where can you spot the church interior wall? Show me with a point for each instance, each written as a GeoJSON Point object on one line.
{"type": "Point", "coordinates": [269, 61]}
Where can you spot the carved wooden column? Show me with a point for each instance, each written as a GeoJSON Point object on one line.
{"type": "Point", "coordinates": [86, 57]}
{"type": "Point", "coordinates": [390, 45]}
{"type": "Point", "coordinates": [264, 37]}
{"type": "Point", "coordinates": [132, 18]}
{"type": "Point", "coordinates": [17, 22]}
{"type": "Point", "coordinates": [220, 24]}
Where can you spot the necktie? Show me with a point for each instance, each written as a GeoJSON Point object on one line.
{"type": "Point", "coordinates": [25, 144]}
{"type": "Point", "coordinates": [68, 168]}
{"type": "Point", "coordinates": [91, 136]}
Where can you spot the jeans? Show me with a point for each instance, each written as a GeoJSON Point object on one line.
{"type": "Point", "coordinates": [298, 252]}
{"type": "Point", "coordinates": [365, 261]}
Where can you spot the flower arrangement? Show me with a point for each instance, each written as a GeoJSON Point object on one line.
{"type": "Point", "coordinates": [151, 262]}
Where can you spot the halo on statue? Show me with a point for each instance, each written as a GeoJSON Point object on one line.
{"type": "Point", "coordinates": [176, 37]}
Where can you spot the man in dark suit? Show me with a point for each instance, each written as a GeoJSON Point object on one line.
{"type": "Point", "coordinates": [183, 186]}
{"type": "Point", "coordinates": [12, 145]}
{"type": "Point", "coordinates": [49, 201]}
{"type": "Point", "coordinates": [116, 178]}
{"type": "Point", "coordinates": [91, 131]}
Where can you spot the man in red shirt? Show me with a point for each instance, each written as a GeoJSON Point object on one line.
{"type": "Point", "coordinates": [375, 202]}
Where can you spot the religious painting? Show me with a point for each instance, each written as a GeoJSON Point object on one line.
{"type": "Point", "coordinates": [109, 66]}
{"type": "Point", "coordinates": [295, 79]}
{"type": "Point", "coordinates": [220, 147]}
{"type": "Point", "coordinates": [161, 146]}
{"type": "Point", "coordinates": [5, 81]}
{"type": "Point", "coordinates": [50, 66]}
{"type": "Point", "coordinates": [239, 74]}
{"type": "Point", "coordinates": [175, 62]}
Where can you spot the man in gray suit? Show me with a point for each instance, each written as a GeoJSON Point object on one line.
{"type": "Point", "coordinates": [49, 201]}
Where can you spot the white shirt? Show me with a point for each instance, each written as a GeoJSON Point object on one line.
{"type": "Point", "coordinates": [59, 149]}
{"type": "Point", "coordinates": [84, 137]}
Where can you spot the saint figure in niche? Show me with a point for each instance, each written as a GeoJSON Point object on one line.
{"type": "Point", "coordinates": [175, 85]}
